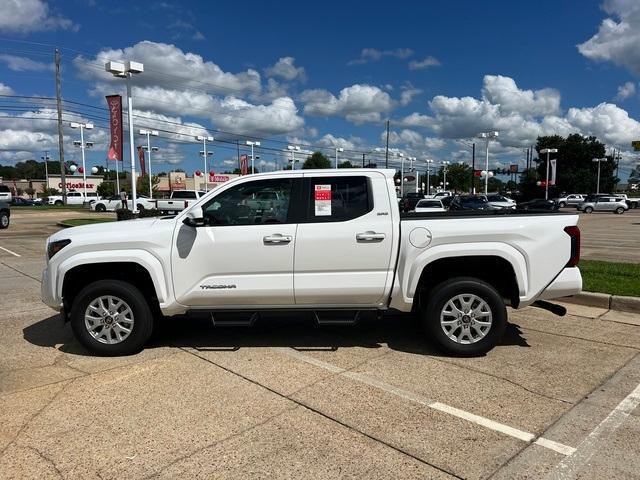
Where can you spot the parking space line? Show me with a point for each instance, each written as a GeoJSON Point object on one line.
{"type": "Point", "coordinates": [441, 407]}
{"type": "Point", "coordinates": [569, 467]}
{"type": "Point", "coordinates": [9, 251]}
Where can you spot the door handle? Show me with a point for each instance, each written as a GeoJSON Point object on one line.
{"type": "Point", "coordinates": [277, 238]}
{"type": "Point", "coordinates": [370, 237]}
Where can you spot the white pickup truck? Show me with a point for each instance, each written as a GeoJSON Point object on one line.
{"type": "Point", "coordinates": [332, 240]}
{"type": "Point", "coordinates": [73, 198]}
{"type": "Point", "coordinates": [178, 201]}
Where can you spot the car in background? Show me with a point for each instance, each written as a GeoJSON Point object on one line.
{"type": "Point", "coordinates": [179, 200]}
{"type": "Point", "coordinates": [114, 202]}
{"type": "Point", "coordinates": [74, 198]}
{"type": "Point", "coordinates": [23, 202]}
{"type": "Point", "coordinates": [409, 201]}
{"type": "Point", "coordinates": [5, 215]}
{"type": "Point", "coordinates": [538, 204]}
{"type": "Point", "coordinates": [442, 194]}
{"type": "Point", "coordinates": [429, 205]}
{"type": "Point", "coordinates": [604, 204]}
{"type": "Point", "coordinates": [497, 200]}
{"type": "Point", "coordinates": [631, 202]}
{"type": "Point", "coordinates": [570, 200]}
{"type": "Point", "coordinates": [471, 202]}
{"type": "Point", "coordinates": [5, 193]}
{"type": "Point", "coordinates": [446, 201]}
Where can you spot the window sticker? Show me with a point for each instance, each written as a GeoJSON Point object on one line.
{"type": "Point", "coordinates": [322, 197]}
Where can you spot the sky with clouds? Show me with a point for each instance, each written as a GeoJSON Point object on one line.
{"type": "Point", "coordinates": [324, 76]}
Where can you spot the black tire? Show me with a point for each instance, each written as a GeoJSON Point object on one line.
{"type": "Point", "coordinates": [143, 318]}
{"type": "Point", "coordinates": [58, 202]}
{"type": "Point", "coordinates": [562, 204]}
{"type": "Point", "coordinates": [101, 208]}
{"type": "Point", "coordinates": [446, 291]}
{"type": "Point", "coordinates": [4, 220]}
{"type": "Point", "coordinates": [588, 210]}
{"type": "Point", "coordinates": [619, 210]}
{"type": "Point", "coordinates": [140, 207]}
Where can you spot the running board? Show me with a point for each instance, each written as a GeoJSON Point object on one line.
{"type": "Point", "coordinates": [234, 322]}
{"type": "Point", "coordinates": [335, 317]}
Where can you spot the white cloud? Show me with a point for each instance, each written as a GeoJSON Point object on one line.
{"type": "Point", "coordinates": [24, 16]}
{"type": "Point", "coordinates": [425, 63]}
{"type": "Point", "coordinates": [434, 143]}
{"type": "Point", "coordinates": [5, 89]}
{"type": "Point", "coordinates": [409, 92]}
{"type": "Point", "coordinates": [331, 141]}
{"type": "Point", "coordinates": [238, 116]}
{"type": "Point", "coordinates": [373, 55]}
{"type": "Point", "coordinates": [285, 68]}
{"type": "Point", "coordinates": [606, 121]}
{"type": "Point", "coordinates": [169, 66]}
{"type": "Point", "coordinates": [23, 64]}
{"type": "Point", "coordinates": [618, 37]}
{"type": "Point", "coordinates": [504, 92]}
{"type": "Point", "coordinates": [625, 91]}
{"type": "Point", "coordinates": [357, 103]}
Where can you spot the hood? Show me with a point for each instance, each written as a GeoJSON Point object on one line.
{"type": "Point", "coordinates": [108, 230]}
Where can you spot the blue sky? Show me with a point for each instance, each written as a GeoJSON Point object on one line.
{"type": "Point", "coordinates": [326, 75]}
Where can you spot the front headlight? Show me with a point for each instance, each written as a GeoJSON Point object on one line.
{"type": "Point", "coordinates": [55, 247]}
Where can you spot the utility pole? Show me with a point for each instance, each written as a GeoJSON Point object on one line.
{"type": "Point", "coordinates": [473, 168]}
{"type": "Point", "coordinates": [60, 135]}
{"type": "Point", "coordinates": [238, 147]}
{"type": "Point", "coordinates": [363, 159]}
{"type": "Point", "coordinates": [386, 156]}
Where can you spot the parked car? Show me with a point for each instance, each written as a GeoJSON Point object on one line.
{"type": "Point", "coordinates": [5, 214]}
{"type": "Point", "coordinates": [5, 193]}
{"type": "Point", "coordinates": [429, 205]}
{"type": "Point", "coordinates": [23, 202]}
{"type": "Point", "coordinates": [538, 204]}
{"type": "Point", "coordinates": [471, 202]}
{"type": "Point", "coordinates": [570, 200]}
{"type": "Point", "coordinates": [409, 201]}
{"type": "Point", "coordinates": [631, 202]}
{"type": "Point", "coordinates": [442, 194]}
{"type": "Point", "coordinates": [462, 271]}
{"type": "Point", "coordinates": [178, 201]}
{"type": "Point", "coordinates": [74, 198]}
{"type": "Point", "coordinates": [604, 204]}
{"type": "Point", "coordinates": [497, 200]}
{"type": "Point", "coordinates": [114, 202]}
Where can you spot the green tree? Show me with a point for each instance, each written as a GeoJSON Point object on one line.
{"type": "Point", "coordinates": [346, 164]}
{"type": "Point", "coordinates": [106, 189]}
{"type": "Point", "coordinates": [316, 160]}
{"type": "Point", "coordinates": [30, 191]}
{"type": "Point", "coordinates": [142, 184]}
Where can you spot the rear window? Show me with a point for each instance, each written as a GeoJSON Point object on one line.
{"type": "Point", "coordinates": [337, 199]}
{"type": "Point", "coordinates": [495, 198]}
{"type": "Point", "coordinates": [429, 204]}
{"type": "Point", "coordinates": [184, 194]}
{"type": "Point", "coordinates": [4, 189]}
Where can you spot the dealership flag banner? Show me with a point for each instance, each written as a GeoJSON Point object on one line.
{"type": "Point", "coordinates": [244, 164]}
{"type": "Point", "coordinates": [114, 102]}
{"type": "Point", "coordinates": [143, 169]}
{"type": "Point", "coordinates": [552, 181]}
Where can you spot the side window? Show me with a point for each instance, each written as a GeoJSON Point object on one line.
{"type": "Point", "coordinates": [337, 199]}
{"type": "Point", "coordinates": [251, 203]}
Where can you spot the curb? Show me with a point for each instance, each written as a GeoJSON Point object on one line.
{"type": "Point", "coordinates": [604, 300]}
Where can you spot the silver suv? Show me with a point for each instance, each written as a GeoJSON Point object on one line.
{"type": "Point", "coordinates": [604, 204]}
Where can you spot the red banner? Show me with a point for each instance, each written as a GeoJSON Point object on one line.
{"type": "Point", "coordinates": [244, 164]}
{"type": "Point", "coordinates": [143, 167]}
{"type": "Point", "coordinates": [114, 102]}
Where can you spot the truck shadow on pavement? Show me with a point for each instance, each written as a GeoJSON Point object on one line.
{"type": "Point", "coordinates": [299, 331]}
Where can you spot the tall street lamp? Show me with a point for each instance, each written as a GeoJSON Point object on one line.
{"type": "Point", "coordinates": [149, 149]}
{"type": "Point", "coordinates": [445, 166]}
{"type": "Point", "coordinates": [546, 185]}
{"type": "Point", "coordinates": [126, 70]}
{"type": "Point", "coordinates": [46, 159]}
{"type": "Point", "coordinates": [254, 144]}
{"type": "Point", "coordinates": [293, 149]}
{"type": "Point", "coordinates": [488, 136]}
{"type": "Point", "coordinates": [429, 161]}
{"type": "Point", "coordinates": [205, 154]}
{"type": "Point", "coordinates": [338, 149]}
{"type": "Point", "coordinates": [82, 127]}
{"type": "Point", "coordinates": [599, 160]}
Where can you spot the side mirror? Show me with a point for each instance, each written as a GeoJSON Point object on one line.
{"type": "Point", "coordinates": [194, 218]}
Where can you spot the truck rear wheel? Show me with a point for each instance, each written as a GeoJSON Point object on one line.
{"type": "Point", "coordinates": [111, 318]}
{"type": "Point", "coordinates": [465, 316]}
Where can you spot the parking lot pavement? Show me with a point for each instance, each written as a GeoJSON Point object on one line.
{"type": "Point", "coordinates": [558, 399]}
{"type": "Point", "coordinates": [606, 236]}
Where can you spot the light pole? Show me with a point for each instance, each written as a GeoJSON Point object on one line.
{"type": "Point", "coordinates": [598, 183]}
{"type": "Point", "coordinates": [82, 127]}
{"type": "Point", "coordinates": [445, 164]}
{"type": "Point", "coordinates": [126, 70]}
{"type": "Point", "coordinates": [488, 136]}
{"type": "Point", "coordinates": [293, 149]}
{"type": "Point", "coordinates": [203, 153]}
{"type": "Point", "coordinates": [46, 168]}
{"type": "Point", "coordinates": [254, 144]}
{"type": "Point", "coordinates": [429, 162]}
{"type": "Point", "coordinates": [546, 185]}
{"type": "Point", "coordinates": [149, 149]}
{"type": "Point", "coordinates": [338, 149]}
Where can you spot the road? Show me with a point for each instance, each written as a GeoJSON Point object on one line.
{"type": "Point", "coordinates": [288, 399]}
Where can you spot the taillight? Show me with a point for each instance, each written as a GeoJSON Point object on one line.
{"type": "Point", "coordinates": [574, 233]}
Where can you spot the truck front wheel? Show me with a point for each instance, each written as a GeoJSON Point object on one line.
{"type": "Point", "coordinates": [465, 316]}
{"type": "Point", "coordinates": [111, 318]}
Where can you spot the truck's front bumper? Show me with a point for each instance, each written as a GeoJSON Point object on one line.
{"type": "Point", "coordinates": [568, 283]}
{"type": "Point", "coordinates": [47, 291]}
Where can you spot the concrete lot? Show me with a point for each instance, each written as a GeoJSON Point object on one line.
{"type": "Point", "coordinates": [558, 399]}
